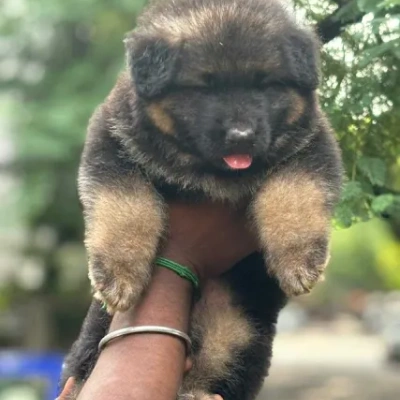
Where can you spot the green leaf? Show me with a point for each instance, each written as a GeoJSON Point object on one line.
{"type": "Point", "coordinates": [389, 3]}
{"type": "Point", "coordinates": [368, 5]}
{"type": "Point", "coordinates": [378, 51]}
{"type": "Point", "coordinates": [351, 191]}
{"type": "Point", "coordinates": [373, 169]}
{"type": "Point", "coordinates": [382, 203]}
{"type": "Point", "coordinates": [343, 216]}
{"type": "Point", "coordinates": [349, 10]}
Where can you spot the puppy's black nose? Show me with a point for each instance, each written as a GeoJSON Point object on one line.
{"type": "Point", "coordinates": [240, 135]}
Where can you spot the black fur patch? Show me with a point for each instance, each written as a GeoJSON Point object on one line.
{"type": "Point", "coordinates": [153, 65]}
{"type": "Point", "coordinates": [84, 353]}
{"type": "Point", "coordinates": [302, 60]}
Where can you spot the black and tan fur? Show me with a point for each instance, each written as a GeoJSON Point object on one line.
{"type": "Point", "coordinates": [196, 70]}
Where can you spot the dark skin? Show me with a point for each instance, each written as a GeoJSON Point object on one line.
{"type": "Point", "coordinates": [209, 239]}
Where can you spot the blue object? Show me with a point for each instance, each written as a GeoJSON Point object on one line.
{"type": "Point", "coordinates": [20, 367]}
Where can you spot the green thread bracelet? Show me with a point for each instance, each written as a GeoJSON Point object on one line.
{"type": "Point", "coordinates": [180, 270]}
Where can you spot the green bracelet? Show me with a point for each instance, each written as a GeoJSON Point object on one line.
{"type": "Point", "coordinates": [183, 272]}
{"type": "Point", "coordinates": [180, 270]}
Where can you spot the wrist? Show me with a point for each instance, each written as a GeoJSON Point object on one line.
{"type": "Point", "coordinates": [167, 293]}
{"type": "Point", "coordinates": [180, 270]}
{"type": "Point", "coordinates": [184, 260]}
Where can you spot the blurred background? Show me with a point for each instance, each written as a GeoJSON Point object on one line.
{"type": "Point", "coordinates": [59, 59]}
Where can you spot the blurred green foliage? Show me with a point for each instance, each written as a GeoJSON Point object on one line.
{"type": "Point", "coordinates": [361, 93]}
{"type": "Point", "coordinates": [59, 59]}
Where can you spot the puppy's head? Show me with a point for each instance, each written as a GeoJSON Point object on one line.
{"type": "Point", "coordinates": [230, 82]}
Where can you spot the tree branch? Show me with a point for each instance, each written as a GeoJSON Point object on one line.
{"type": "Point", "coordinates": [332, 26]}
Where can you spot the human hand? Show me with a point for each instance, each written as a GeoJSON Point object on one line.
{"type": "Point", "coordinates": [69, 388]}
{"type": "Point", "coordinates": [208, 238]}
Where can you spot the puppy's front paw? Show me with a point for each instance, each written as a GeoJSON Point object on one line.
{"type": "Point", "coordinates": [123, 230]}
{"type": "Point", "coordinates": [118, 283]}
{"type": "Point", "coordinates": [299, 266]}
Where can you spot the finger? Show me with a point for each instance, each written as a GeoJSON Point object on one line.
{"type": "Point", "coordinates": [188, 365]}
{"type": "Point", "coordinates": [67, 389]}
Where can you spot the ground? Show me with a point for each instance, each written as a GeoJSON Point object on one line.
{"type": "Point", "coordinates": [331, 363]}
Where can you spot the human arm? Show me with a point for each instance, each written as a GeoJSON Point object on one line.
{"type": "Point", "coordinates": [207, 238]}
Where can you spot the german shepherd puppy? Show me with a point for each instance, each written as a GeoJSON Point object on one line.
{"type": "Point", "coordinates": [218, 102]}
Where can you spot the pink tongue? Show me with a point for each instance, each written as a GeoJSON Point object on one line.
{"type": "Point", "coordinates": [239, 161]}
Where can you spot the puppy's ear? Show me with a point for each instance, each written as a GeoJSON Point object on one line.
{"type": "Point", "coordinates": [152, 62]}
{"type": "Point", "coordinates": [301, 54]}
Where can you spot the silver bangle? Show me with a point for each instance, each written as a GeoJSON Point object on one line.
{"type": "Point", "coordinates": [146, 329]}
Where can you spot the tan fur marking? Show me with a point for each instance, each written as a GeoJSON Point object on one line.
{"type": "Point", "coordinates": [223, 329]}
{"type": "Point", "coordinates": [196, 22]}
{"type": "Point", "coordinates": [290, 202]}
{"type": "Point", "coordinates": [160, 118]}
{"type": "Point", "coordinates": [297, 107]}
{"type": "Point", "coordinates": [193, 23]}
{"type": "Point", "coordinates": [123, 230]}
{"type": "Point", "coordinates": [291, 218]}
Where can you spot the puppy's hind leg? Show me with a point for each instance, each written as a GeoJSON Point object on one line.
{"type": "Point", "coordinates": [82, 357]}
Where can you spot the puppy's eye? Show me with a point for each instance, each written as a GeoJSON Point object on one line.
{"type": "Point", "coordinates": [210, 80]}
{"type": "Point", "coordinates": [260, 79]}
